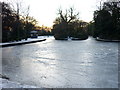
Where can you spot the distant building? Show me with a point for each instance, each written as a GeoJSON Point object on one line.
{"type": "Point", "coordinates": [34, 34]}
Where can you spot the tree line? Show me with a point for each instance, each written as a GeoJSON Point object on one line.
{"type": "Point", "coordinates": [16, 26]}
{"type": "Point", "coordinates": [106, 24]}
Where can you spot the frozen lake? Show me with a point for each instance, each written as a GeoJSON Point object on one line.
{"type": "Point", "coordinates": [63, 64]}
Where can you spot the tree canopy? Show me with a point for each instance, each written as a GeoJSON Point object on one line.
{"type": "Point", "coordinates": [107, 21]}
{"type": "Point", "coordinates": [14, 25]}
{"type": "Point", "coordinates": [67, 24]}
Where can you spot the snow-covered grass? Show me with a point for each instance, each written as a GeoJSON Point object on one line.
{"type": "Point", "coordinates": [23, 41]}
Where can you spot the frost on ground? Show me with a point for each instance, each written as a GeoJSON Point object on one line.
{"type": "Point", "coordinates": [9, 84]}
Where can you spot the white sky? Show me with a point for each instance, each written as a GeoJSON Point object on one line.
{"type": "Point", "coordinates": [45, 11]}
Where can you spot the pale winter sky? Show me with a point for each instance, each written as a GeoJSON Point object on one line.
{"type": "Point", "coordinates": [45, 11]}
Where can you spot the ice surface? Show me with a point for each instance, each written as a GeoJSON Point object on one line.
{"type": "Point", "coordinates": [63, 64]}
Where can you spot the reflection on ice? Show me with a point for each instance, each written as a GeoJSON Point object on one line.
{"type": "Point", "coordinates": [63, 64]}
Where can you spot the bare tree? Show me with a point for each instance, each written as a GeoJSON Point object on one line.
{"type": "Point", "coordinates": [69, 16]}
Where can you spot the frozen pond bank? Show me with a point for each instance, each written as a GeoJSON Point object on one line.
{"type": "Point", "coordinates": [28, 41]}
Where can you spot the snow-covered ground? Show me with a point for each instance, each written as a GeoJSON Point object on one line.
{"type": "Point", "coordinates": [28, 40]}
